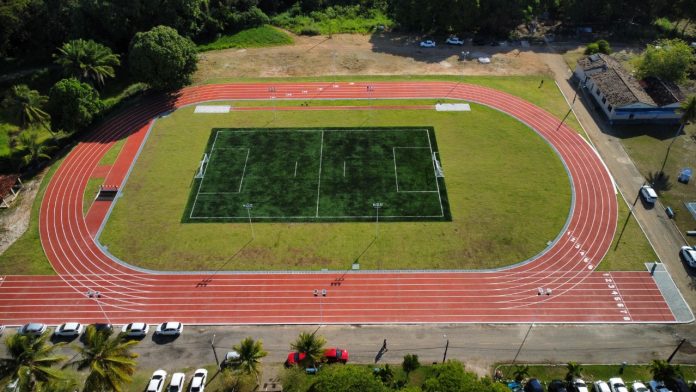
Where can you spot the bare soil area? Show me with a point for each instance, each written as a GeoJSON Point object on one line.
{"type": "Point", "coordinates": [14, 221]}
{"type": "Point", "coordinates": [377, 54]}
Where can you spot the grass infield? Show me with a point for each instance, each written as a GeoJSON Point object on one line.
{"type": "Point", "coordinates": [319, 174]}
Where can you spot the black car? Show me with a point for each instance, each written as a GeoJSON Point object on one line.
{"type": "Point", "coordinates": [677, 385]}
{"type": "Point", "coordinates": [557, 386]}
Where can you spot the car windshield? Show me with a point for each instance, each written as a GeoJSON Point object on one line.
{"type": "Point", "coordinates": [580, 385]}
{"type": "Point", "coordinates": [33, 327]}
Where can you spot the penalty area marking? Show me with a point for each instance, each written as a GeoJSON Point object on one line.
{"type": "Point", "coordinates": [396, 175]}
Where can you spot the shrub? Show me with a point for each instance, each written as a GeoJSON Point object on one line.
{"type": "Point", "coordinates": [310, 30]}
{"type": "Point", "coordinates": [73, 105]}
{"type": "Point", "coordinates": [410, 363]}
{"type": "Point", "coordinates": [592, 48]}
{"type": "Point", "coordinates": [601, 46]}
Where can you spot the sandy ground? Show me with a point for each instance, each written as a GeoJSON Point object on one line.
{"type": "Point", "coordinates": [378, 54]}
{"type": "Point", "coordinates": [14, 221]}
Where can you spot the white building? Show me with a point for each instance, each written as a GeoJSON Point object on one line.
{"type": "Point", "coordinates": [622, 98]}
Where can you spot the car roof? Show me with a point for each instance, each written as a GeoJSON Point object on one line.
{"type": "Point", "coordinates": [650, 191]}
{"type": "Point", "coordinates": [172, 325]}
{"type": "Point", "coordinates": [71, 325]}
{"type": "Point", "coordinates": [34, 326]}
{"type": "Point", "coordinates": [177, 377]}
{"type": "Point", "coordinates": [137, 325]}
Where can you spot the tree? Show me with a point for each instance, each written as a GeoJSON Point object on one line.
{"type": "Point", "coordinates": [31, 360]}
{"type": "Point", "coordinates": [663, 370]}
{"type": "Point", "coordinates": [451, 377]}
{"type": "Point", "coordinates": [250, 353]}
{"type": "Point", "coordinates": [109, 360]}
{"type": "Point", "coordinates": [87, 60]}
{"type": "Point", "coordinates": [410, 363]}
{"type": "Point", "coordinates": [688, 114]}
{"type": "Point", "coordinates": [27, 106]}
{"type": "Point", "coordinates": [667, 59]}
{"type": "Point", "coordinates": [312, 345]}
{"type": "Point", "coordinates": [73, 105]}
{"type": "Point", "coordinates": [32, 150]}
{"type": "Point", "coordinates": [162, 58]}
{"type": "Point", "coordinates": [574, 371]}
{"type": "Point", "coordinates": [346, 379]}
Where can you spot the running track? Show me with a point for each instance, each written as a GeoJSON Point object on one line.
{"type": "Point", "coordinates": [579, 294]}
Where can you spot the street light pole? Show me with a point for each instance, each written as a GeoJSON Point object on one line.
{"type": "Point", "coordinates": [377, 206]}
{"type": "Point", "coordinates": [248, 207]}
{"type": "Point", "coordinates": [444, 357]}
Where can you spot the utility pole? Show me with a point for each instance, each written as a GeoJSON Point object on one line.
{"type": "Point", "coordinates": [675, 350]}
{"type": "Point", "coordinates": [444, 357]}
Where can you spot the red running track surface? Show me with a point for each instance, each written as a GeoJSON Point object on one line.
{"type": "Point", "coordinates": [579, 294]}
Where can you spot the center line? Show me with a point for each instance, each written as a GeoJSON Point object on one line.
{"type": "Point", "coordinates": [321, 155]}
{"type": "Point", "coordinates": [295, 169]}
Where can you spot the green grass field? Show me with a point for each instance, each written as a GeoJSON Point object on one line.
{"type": "Point", "coordinates": [257, 37]}
{"type": "Point", "coordinates": [324, 174]}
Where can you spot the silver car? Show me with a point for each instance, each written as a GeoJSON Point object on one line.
{"type": "Point", "coordinates": [69, 330]}
{"type": "Point", "coordinates": [32, 329]}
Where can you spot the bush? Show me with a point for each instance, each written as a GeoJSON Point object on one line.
{"type": "Point", "coordinates": [410, 363]}
{"type": "Point", "coordinates": [162, 58]}
{"type": "Point", "coordinates": [592, 48]}
{"type": "Point", "coordinates": [310, 30]}
{"type": "Point", "coordinates": [601, 46]}
{"type": "Point", "coordinates": [668, 59]}
{"type": "Point", "coordinates": [73, 105]}
{"type": "Point", "coordinates": [664, 25]}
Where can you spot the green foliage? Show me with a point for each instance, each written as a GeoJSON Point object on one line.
{"type": "Point", "coordinates": [87, 60]}
{"type": "Point", "coordinates": [310, 344]}
{"type": "Point", "coordinates": [73, 105]}
{"type": "Point", "coordinates": [31, 360]}
{"type": "Point", "coordinates": [31, 148]}
{"type": "Point", "coordinates": [574, 371]}
{"type": "Point", "coordinates": [667, 59]}
{"type": "Point", "coordinates": [238, 382]}
{"type": "Point", "coordinates": [664, 25]}
{"type": "Point", "coordinates": [162, 58]}
{"type": "Point", "coordinates": [250, 353]}
{"type": "Point", "coordinates": [385, 374]}
{"type": "Point", "coordinates": [26, 106]}
{"type": "Point", "coordinates": [662, 370]}
{"type": "Point", "coordinates": [410, 363]}
{"type": "Point", "coordinates": [109, 360]}
{"type": "Point", "coordinates": [600, 46]}
{"type": "Point", "coordinates": [451, 377]}
{"type": "Point", "coordinates": [339, 378]}
{"type": "Point", "coordinates": [257, 37]}
{"type": "Point", "coordinates": [688, 110]}
{"type": "Point", "coordinates": [295, 379]}
{"type": "Point", "coordinates": [521, 372]}
{"type": "Point", "coordinates": [333, 20]}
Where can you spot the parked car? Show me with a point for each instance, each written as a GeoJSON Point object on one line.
{"type": "Point", "coordinates": [454, 41]}
{"type": "Point", "coordinates": [69, 330]}
{"type": "Point", "coordinates": [533, 385]}
{"type": "Point", "coordinates": [294, 359]}
{"type": "Point", "coordinates": [334, 354]}
{"type": "Point", "coordinates": [657, 386]}
{"type": "Point", "coordinates": [616, 384]}
{"type": "Point", "coordinates": [557, 386]}
{"type": "Point", "coordinates": [688, 254]}
{"type": "Point", "coordinates": [648, 194]}
{"type": "Point", "coordinates": [231, 358]}
{"type": "Point", "coordinates": [157, 381]}
{"type": "Point", "coordinates": [639, 387]}
{"type": "Point", "coordinates": [578, 385]}
{"type": "Point", "coordinates": [177, 383]}
{"type": "Point", "coordinates": [104, 327]}
{"type": "Point", "coordinates": [677, 385]}
{"type": "Point", "coordinates": [32, 329]}
{"type": "Point", "coordinates": [601, 386]}
{"type": "Point", "coordinates": [198, 381]}
{"type": "Point", "coordinates": [2, 329]}
{"type": "Point", "coordinates": [170, 328]}
{"type": "Point", "coordinates": [427, 44]}
{"type": "Point", "coordinates": [135, 329]}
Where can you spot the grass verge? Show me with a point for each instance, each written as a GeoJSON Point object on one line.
{"type": "Point", "coordinates": [592, 373]}
{"type": "Point", "coordinates": [257, 37]}
{"type": "Point", "coordinates": [333, 20]}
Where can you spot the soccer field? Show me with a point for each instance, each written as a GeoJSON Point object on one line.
{"type": "Point", "coordinates": [319, 174]}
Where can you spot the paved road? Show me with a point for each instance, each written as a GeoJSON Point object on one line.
{"type": "Point", "coordinates": [660, 231]}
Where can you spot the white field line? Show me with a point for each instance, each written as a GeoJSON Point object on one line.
{"type": "Point", "coordinates": [321, 156]}
{"type": "Point", "coordinates": [244, 170]}
{"type": "Point", "coordinates": [193, 207]}
{"type": "Point", "coordinates": [442, 209]}
{"type": "Point", "coordinates": [295, 175]}
{"type": "Point", "coordinates": [397, 179]}
{"type": "Point", "coordinates": [396, 176]}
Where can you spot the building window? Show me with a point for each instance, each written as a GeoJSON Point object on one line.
{"type": "Point", "coordinates": [604, 100]}
{"type": "Point", "coordinates": [597, 91]}
{"type": "Point", "coordinates": [609, 107]}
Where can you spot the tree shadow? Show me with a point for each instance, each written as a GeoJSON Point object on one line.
{"type": "Point", "coordinates": [660, 181]}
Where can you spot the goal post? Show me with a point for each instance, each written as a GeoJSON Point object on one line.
{"type": "Point", "coordinates": [202, 166]}
{"type": "Point", "coordinates": [438, 167]}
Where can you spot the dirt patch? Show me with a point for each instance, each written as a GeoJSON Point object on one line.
{"type": "Point", "coordinates": [14, 221]}
{"type": "Point", "coordinates": [377, 54]}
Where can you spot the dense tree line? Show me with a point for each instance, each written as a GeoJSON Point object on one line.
{"type": "Point", "coordinates": [36, 27]}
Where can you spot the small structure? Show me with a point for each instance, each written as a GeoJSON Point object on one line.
{"type": "Point", "coordinates": [685, 175]}
{"type": "Point", "coordinates": [10, 187]}
{"type": "Point", "coordinates": [623, 98]}
{"type": "Point", "coordinates": [107, 192]}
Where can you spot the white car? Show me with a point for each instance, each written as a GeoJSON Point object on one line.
{"type": "Point", "coordinates": [32, 329]}
{"type": "Point", "coordinates": [157, 381]}
{"type": "Point", "coordinates": [427, 44]}
{"type": "Point", "coordinates": [69, 330]}
{"type": "Point", "coordinates": [580, 385]}
{"type": "Point", "coordinates": [231, 358]}
{"type": "Point", "coordinates": [170, 328]}
{"type": "Point", "coordinates": [616, 384]}
{"type": "Point", "coordinates": [2, 329]}
{"type": "Point", "coordinates": [198, 380]}
{"type": "Point", "coordinates": [135, 329]}
{"type": "Point", "coordinates": [688, 253]}
{"type": "Point", "coordinates": [177, 383]}
{"type": "Point", "coordinates": [601, 386]}
{"type": "Point", "coordinates": [648, 194]}
{"type": "Point", "coordinates": [639, 387]}
{"type": "Point", "coordinates": [454, 41]}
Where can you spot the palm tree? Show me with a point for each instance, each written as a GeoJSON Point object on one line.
{"type": "Point", "coordinates": [87, 60]}
{"type": "Point", "coordinates": [31, 360]}
{"type": "Point", "coordinates": [574, 371]}
{"type": "Point", "coordinates": [31, 148]}
{"type": "Point", "coordinates": [310, 344]}
{"type": "Point", "coordinates": [109, 360]}
{"type": "Point", "coordinates": [688, 114]}
{"type": "Point", "coordinates": [663, 370]}
{"type": "Point", "coordinates": [250, 353]}
{"type": "Point", "coordinates": [520, 373]}
{"type": "Point", "coordinates": [27, 106]}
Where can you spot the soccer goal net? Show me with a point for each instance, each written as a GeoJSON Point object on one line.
{"type": "Point", "coordinates": [201, 166]}
{"type": "Point", "coordinates": [438, 167]}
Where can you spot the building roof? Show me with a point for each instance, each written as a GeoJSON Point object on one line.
{"type": "Point", "coordinates": [620, 87]}
{"type": "Point", "coordinates": [662, 92]}
{"type": "Point", "coordinates": [7, 181]}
